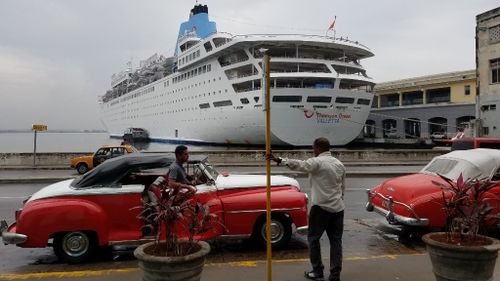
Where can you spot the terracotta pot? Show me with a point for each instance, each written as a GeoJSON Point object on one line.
{"type": "Point", "coordinates": [454, 262]}
{"type": "Point", "coordinates": [186, 268]}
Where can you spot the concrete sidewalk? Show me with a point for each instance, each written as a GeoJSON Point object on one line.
{"type": "Point", "coordinates": [411, 267]}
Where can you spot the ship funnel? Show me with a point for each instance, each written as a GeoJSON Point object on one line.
{"type": "Point", "coordinates": [198, 25]}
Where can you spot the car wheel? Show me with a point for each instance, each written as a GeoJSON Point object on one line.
{"type": "Point", "coordinates": [74, 247]}
{"type": "Point", "coordinates": [281, 231]}
{"type": "Point", "coordinates": [82, 168]}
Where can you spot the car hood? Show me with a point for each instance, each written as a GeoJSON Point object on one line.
{"type": "Point", "coordinates": [64, 188]}
{"type": "Point", "coordinates": [410, 187]}
{"type": "Point", "coordinates": [241, 181]}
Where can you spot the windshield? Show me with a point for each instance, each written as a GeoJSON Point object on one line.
{"type": "Point", "coordinates": [209, 169]}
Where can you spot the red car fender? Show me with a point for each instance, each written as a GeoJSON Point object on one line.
{"type": "Point", "coordinates": [431, 206]}
{"type": "Point", "coordinates": [242, 208]}
{"type": "Point", "coordinates": [42, 219]}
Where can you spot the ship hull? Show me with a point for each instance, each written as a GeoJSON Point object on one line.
{"type": "Point", "coordinates": [246, 125]}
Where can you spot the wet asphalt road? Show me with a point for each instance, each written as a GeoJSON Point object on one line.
{"type": "Point", "coordinates": [366, 234]}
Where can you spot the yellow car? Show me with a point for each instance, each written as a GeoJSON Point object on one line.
{"type": "Point", "coordinates": [85, 163]}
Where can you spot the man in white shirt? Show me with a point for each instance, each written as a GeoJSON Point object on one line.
{"type": "Point", "coordinates": [327, 180]}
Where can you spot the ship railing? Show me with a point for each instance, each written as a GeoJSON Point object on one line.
{"type": "Point", "coordinates": [299, 71]}
{"type": "Point", "coordinates": [230, 62]}
{"type": "Point", "coordinates": [342, 39]}
{"type": "Point", "coordinates": [242, 76]}
{"type": "Point", "coordinates": [312, 36]}
{"type": "Point", "coordinates": [317, 57]}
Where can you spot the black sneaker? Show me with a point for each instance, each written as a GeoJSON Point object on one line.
{"type": "Point", "coordinates": [314, 275]}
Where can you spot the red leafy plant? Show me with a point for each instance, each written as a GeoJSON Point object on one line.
{"type": "Point", "coordinates": [468, 208]}
{"type": "Point", "coordinates": [172, 211]}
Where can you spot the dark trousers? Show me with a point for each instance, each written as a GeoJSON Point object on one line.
{"type": "Point", "coordinates": [333, 223]}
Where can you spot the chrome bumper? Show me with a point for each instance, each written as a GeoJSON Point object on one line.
{"type": "Point", "coordinates": [302, 230]}
{"type": "Point", "coordinates": [9, 237]}
{"type": "Point", "coordinates": [391, 217]}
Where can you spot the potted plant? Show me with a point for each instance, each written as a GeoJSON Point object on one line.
{"type": "Point", "coordinates": [460, 253]}
{"type": "Point", "coordinates": [167, 214]}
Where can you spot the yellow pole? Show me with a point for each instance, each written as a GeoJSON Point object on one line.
{"type": "Point", "coordinates": [267, 62]}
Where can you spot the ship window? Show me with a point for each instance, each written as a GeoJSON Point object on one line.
{"type": "Point", "coordinates": [319, 106]}
{"type": "Point", "coordinates": [364, 101]}
{"type": "Point", "coordinates": [223, 103]}
{"type": "Point", "coordinates": [287, 98]}
{"type": "Point", "coordinates": [244, 101]}
{"type": "Point", "coordinates": [319, 99]}
{"type": "Point", "coordinates": [204, 105]}
{"type": "Point", "coordinates": [344, 100]}
{"type": "Point", "coordinates": [256, 99]}
{"type": "Point", "coordinates": [209, 68]}
{"type": "Point", "coordinates": [208, 46]}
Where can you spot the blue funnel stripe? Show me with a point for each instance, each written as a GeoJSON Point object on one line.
{"type": "Point", "coordinates": [198, 23]}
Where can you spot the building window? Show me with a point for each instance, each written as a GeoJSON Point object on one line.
{"type": "Point", "coordinates": [494, 33]}
{"type": "Point", "coordinates": [411, 98]}
{"type": "Point", "coordinates": [495, 71]}
{"type": "Point", "coordinates": [389, 100]}
{"type": "Point", "coordinates": [438, 95]}
{"type": "Point", "coordinates": [412, 128]}
{"type": "Point", "coordinates": [369, 129]}
{"type": "Point", "coordinates": [486, 131]}
{"type": "Point", "coordinates": [390, 128]}
{"type": "Point", "coordinates": [467, 90]}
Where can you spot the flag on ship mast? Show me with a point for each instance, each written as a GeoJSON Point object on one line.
{"type": "Point", "coordinates": [332, 26]}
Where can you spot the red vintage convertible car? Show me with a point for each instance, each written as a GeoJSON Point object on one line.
{"type": "Point", "coordinates": [415, 201]}
{"type": "Point", "coordinates": [100, 208]}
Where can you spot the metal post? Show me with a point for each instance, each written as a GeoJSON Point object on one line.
{"type": "Point", "coordinates": [34, 151]}
{"type": "Point", "coordinates": [267, 108]}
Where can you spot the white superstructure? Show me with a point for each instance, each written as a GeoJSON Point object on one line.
{"type": "Point", "coordinates": [210, 90]}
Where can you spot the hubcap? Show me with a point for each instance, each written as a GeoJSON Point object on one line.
{"type": "Point", "coordinates": [277, 231]}
{"type": "Point", "coordinates": [75, 244]}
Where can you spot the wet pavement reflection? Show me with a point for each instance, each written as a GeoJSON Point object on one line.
{"type": "Point", "coordinates": [362, 237]}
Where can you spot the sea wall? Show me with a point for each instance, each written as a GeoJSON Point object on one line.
{"type": "Point", "coordinates": [252, 157]}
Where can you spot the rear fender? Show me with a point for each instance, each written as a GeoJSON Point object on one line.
{"type": "Point", "coordinates": [242, 212]}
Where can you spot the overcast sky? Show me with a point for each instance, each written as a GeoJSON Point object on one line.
{"type": "Point", "coordinates": [57, 56]}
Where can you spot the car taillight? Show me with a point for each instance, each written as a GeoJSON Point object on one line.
{"type": "Point", "coordinates": [18, 213]}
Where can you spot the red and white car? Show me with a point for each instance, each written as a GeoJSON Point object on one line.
{"type": "Point", "coordinates": [415, 201]}
{"type": "Point", "coordinates": [100, 208]}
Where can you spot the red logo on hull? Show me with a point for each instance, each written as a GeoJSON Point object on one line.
{"type": "Point", "coordinates": [308, 113]}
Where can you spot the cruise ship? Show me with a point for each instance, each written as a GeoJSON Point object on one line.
{"type": "Point", "coordinates": [210, 91]}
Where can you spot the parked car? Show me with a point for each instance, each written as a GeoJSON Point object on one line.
{"type": "Point", "coordinates": [415, 201]}
{"type": "Point", "coordinates": [470, 143]}
{"type": "Point", "coordinates": [83, 164]}
{"type": "Point", "coordinates": [101, 208]}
